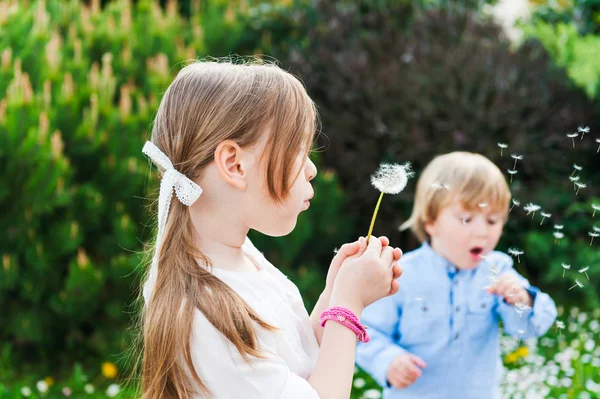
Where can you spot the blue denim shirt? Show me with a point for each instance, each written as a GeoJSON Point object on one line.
{"type": "Point", "coordinates": [445, 316]}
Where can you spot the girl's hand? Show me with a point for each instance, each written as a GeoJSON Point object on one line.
{"type": "Point", "coordinates": [348, 250]}
{"type": "Point", "coordinates": [367, 276]}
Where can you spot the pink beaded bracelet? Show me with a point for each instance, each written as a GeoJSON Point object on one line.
{"type": "Point", "coordinates": [348, 319]}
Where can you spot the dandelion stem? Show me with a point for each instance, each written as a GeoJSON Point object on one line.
{"type": "Point", "coordinates": [572, 138]}
{"type": "Point", "coordinates": [588, 277]}
{"type": "Point", "coordinates": [591, 241]}
{"type": "Point", "coordinates": [598, 149]}
{"type": "Point", "coordinates": [577, 192]}
{"type": "Point", "coordinates": [511, 181]}
{"type": "Point", "coordinates": [374, 217]}
{"type": "Point", "coordinates": [564, 272]}
{"type": "Point", "coordinates": [593, 213]}
{"type": "Point", "coordinates": [515, 166]}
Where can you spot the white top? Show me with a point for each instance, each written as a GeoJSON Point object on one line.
{"type": "Point", "coordinates": [292, 351]}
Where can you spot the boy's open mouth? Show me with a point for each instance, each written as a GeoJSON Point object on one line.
{"type": "Point", "coordinates": [476, 251]}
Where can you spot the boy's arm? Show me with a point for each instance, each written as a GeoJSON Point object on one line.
{"type": "Point", "coordinates": [382, 319]}
{"type": "Point", "coordinates": [527, 321]}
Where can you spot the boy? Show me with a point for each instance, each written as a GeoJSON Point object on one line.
{"type": "Point", "coordinates": [438, 337]}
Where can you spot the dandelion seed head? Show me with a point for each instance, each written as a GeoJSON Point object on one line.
{"type": "Point", "coordinates": [558, 226]}
{"type": "Point", "coordinates": [579, 283]}
{"type": "Point", "coordinates": [574, 178]}
{"type": "Point", "coordinates": [516, 202]}
{"type": "Point", "coordinates": [516, 156]}
{"type": "Point", "coordinates": [593, 234]}
{"type": "Point", "coordinates": [583, 129]}
{"type": "Point", "coordinates": [565, 266]}
{"type": "Point", "coordinates": [577, 167]}
{"type": "Point", "coordinates": [572, 135]}
{"type": "Point", "coordinates": [585, 269]}
{"type": "Point", "coordinates": [596, 207]}
{"type": "Point", "coordinates": [512, 171]}
{"type": "Point", "coordinates": [391, 178]}
{"type": "Point", "coordinates": [546, 215]}
{"type": "Point", "coordinates": [580, 185]}
{"type": "Point", "coordinates": [560, 324]}
{"type": "Point", "coordinates": [558, 235]}
{"type": "Point", "coordinates": [502, 145]}
{"type": "Point", "coordinates": [596, 229]}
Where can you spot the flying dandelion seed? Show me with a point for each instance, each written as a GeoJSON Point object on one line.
{"type": "Point", "coordinates": [512, 172]}
{"type": "Point", "coordinates": [565, 268]}
{"type": "Point", "coordinates": [574, 179]}
{"type": "Point", "coordinates": [596, 229]}
{"type": "Point", "coordinates": [572, 137]}
{"type": "Point", "coordinates": [389, 179]}
{"type": "Point", "coordinates": [560, 326]}
{"type": "Point", "coordinates": [579, 187]}
{"type": "Point", "coordinates": [576, 168]}
{"type": "Point", "coordinates": [584, 270]}
{"type": "Point", "coordinates": [502, 146]}
{"type": "Point", "coordinates": [335, 251]}
{"type": "Point", "coordinates": [520, 308]}
{"type": "Point", "coordinates": [515, 202]}
{"type": "Point", "coordinates": [516, 157]}
{"type": "Point", "coordinates": [593, 234]}
{"type": "Point", "coordinates": [595, 208]}
{"type": "Point", "coordinates": [482, 257]}
{"type": "Point", "coordinates": [544, 216]}
{"type": "Point", "coordinates": [494, 269]}
{"type": "Point", "coordinates": [558, 235]}
{"type": "Point", "coordinates": [558, 226]}
{"type": "Point", "coordinates": [532, 208]}
{"type": "Point", "coordinates": [583, 130]}
{"type": "Point", "coordinates": [438, 186]}
{"type": "Point", "coordinates": [577, 284]}
{"type": "Point", "coordinates": [482, 204]}
{"type": "Point", "coordinates": [520, 332]}
{"type": "Point", "coordinates": [516, 252]}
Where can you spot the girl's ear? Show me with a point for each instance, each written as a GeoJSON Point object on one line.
{"type": "Point", "coordinates": [229, 162]}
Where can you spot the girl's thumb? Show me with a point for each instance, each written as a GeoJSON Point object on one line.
{"type": "Point", "coordinates": [418, 361]}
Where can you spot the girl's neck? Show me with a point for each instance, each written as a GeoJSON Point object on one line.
{"type": "Point", "coordinates": [220, 237]}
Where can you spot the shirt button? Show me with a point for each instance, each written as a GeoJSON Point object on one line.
{"type": "Point", "coordinates": [483, 305]}
{"type": "Point", "coordinates": [456, 336]}
{"type": "Point", "coordinates": [455, 282]}
{"type": "Point", "coordinates": [458, 308]}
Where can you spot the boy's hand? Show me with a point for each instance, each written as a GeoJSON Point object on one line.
{"type": "Point", "coordinates": [509, 287]}
{"type": "Point", "coordinates": [404, 370]}
{"type": "Point", "coordinates": [352, 249]}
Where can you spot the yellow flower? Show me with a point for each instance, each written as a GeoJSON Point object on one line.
{"type": "Point", "coordinates": [109, 370]}
{"type": "Point", "coordinates": [49, 380]}
{"type": "Point", "coordinates": [511, 358]}
{"type": "Point", "coordinates": [522, 351]}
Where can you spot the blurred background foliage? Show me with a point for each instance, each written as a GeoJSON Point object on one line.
{"type": "Point", "coordinates": [394, 80]}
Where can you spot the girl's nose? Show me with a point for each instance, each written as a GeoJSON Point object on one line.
{"type": "Point", "coordinates": [310, 169]}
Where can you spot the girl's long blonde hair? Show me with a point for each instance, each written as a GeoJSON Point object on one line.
{"type": "Point", "coordinates": [209, 102]}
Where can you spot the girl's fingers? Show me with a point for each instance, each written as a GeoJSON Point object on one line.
{"type": "Point", "coordinates": [387, 256]}
{"type": "Point", "coordinates": [374, 246]}
{"type": "Point", "coordinates": [384, 241]}
{"type": "Point", "coordinates": [397, 253]}
{"type": "Point", "coordinates": [395, 287]}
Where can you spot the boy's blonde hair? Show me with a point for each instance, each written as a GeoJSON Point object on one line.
{"type": "Point", "coordinates": [466, 177]}
{"type": "Point", "coordinates": [207, 103]}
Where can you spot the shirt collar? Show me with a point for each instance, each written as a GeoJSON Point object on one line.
{"type": "Point", "coordinates": [441, 263]}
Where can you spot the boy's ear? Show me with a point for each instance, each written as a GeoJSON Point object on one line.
{"type": "Point", "coordinates": [230, 163]}
{"type": "Point", "coordinates": [430, 228]}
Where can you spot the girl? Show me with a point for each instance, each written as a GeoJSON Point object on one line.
{"type": "Point", "coordinates": [220, 321]}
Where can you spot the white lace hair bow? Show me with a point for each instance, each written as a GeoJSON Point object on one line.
{"type": "Point", "coordinates": [186, 190]}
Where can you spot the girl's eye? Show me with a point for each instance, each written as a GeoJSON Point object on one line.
{"type": "Point", "coordinates": [492, 222]}
{"type": "Point", "coordinates": [465, 219]}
